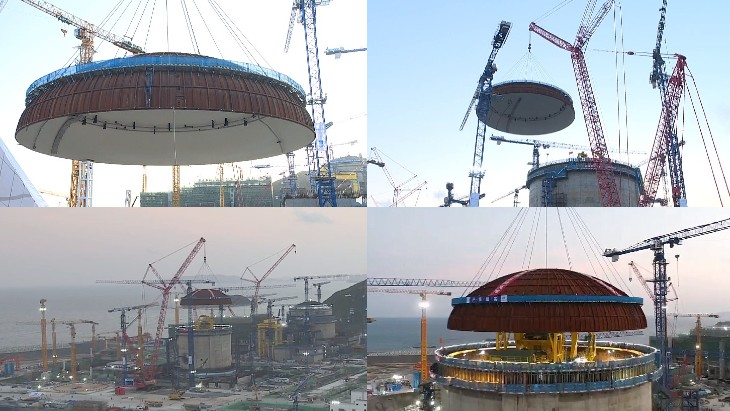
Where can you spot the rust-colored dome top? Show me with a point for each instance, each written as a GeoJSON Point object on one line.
{"type": "Point", "coordinates": [547, 300]}
{"type": "Point", "coordinates": [207, 296]}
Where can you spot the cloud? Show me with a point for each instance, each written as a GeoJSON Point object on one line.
{"type": "Point", "coordinates": [311, 217]}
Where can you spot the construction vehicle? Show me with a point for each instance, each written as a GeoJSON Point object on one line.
{"type": "Point", "coordinates": [257, 281]}
{"type": "Point", "coordinates": [82, 172]}
{"type": "Point", "coordinates": [176, 395]}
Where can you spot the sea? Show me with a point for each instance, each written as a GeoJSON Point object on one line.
{"type": "Point", "coordinates": [394, 334]}
{"type": "Point", "coordinates": [21, 305]}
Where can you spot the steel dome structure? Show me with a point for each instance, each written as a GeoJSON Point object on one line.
{"type": "Point", "coordinates": [528, 108]}
{"type": "Point", "coordinates": [165, 109]}
{"type": "Point", "coordinates": [206, 297]}
{"type": "Point", "coordinates": [547, 300]}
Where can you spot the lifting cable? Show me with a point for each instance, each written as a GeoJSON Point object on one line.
{"type": "Point", "coordinates": [530, 240]}
{"type": "Point", "coordinates": [231, 26]}
{"type": "Point", "coordinates": [131, 21]}
{"type": "Point", "coordinates": [477, 277]}
{"type": "Point", "coordinates": [176, 251]}
{"type": "Point", "coordinates": [565, 243]}
{"type": "Point", "coordinates": [712, 138]}
{"type": "Point", "coordinates": [149, 24]}
{"type": "Point", "coordinates": [552, 10]}
{"type": "Point", "coordinates": [141, 16]}
{"type": "Point", "coordinates": [704, 143]}
{"type": "Point", "coordinates": [189, 23]}
{"type": "Point", "coordinates": [205, 23]}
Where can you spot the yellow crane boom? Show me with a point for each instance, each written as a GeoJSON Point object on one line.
{"type": "Point", "coordinates": [424, 323]}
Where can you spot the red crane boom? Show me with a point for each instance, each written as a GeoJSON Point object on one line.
{"type": "Point", "coordinates": [604, 170]}
{"type": "Point", "coordinates": [165, 287]}
{"type": "Point", "coordinates": [662, 140]}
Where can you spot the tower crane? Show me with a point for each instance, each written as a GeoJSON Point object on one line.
{"type": "Point", "coordinates": [656, 244]}
{"type": "Point", "coordinates": [514, 192]}
{"type": "Point", "coordinates": [82, 172]}
{"type": "Point", "coordinates": [538, 144]}
{"type": "Point", "coordinates": [604, 169]}
{"type": "Point", "coordinates": [397, 188]}
{"type": "Point", "coordinates": [44, 341]}
{"type": "Point", "coordinates": [321, 179]}
{"type": "Point", "coordinates": [316, 277]}
{"type": "Point", "coordinates": [270, 304]}
{"type": "Point", "coordinates": [257, 281]}
{"type": "Point", "coordinates": [72, 328]}
{"type": "Point", "coordinates": [698, 333]}
{"type": "Point", "coordinates": [319, 289]}
{"type": "Point", "coordinates": [339, 51]}
{"type": "Point", "coordinates": [667, 133]}
{"type": "Point", "coordinates": [125, 337]}
{"type": "Point", "coordinates": [93, 334]}
{"type": "Point", "coordinates": [351, 142]}
{"type": "Point", "coordinates": [54, 355]}
{"type": "Point", "coordinates": [419, 282]}
{"type": "Point", "coordinates": [424, 323]}
{"type": "Point", "coordinates": [483, 98]}
{"type": "Point", "coordinates": [449, 199]}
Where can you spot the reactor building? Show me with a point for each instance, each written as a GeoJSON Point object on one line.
{"type": "Point", "coordinates": [531, 364]}
{"type": "Point", "coordinates": [532, 108]}
{"type": "Point", "coordinates": [211, 348]}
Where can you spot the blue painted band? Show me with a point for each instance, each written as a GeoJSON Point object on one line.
{"type": "Point", "coordinates": [497, 299]}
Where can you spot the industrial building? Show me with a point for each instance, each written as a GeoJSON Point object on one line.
{"type": "Point", "coordinates": [572, 183]}
{"type": "Point", "coordinates": [532, 365]}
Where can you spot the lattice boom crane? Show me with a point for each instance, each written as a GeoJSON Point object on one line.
{"type": "Point", "coordinates": [604, 170]}
{"type": "Point", "coordinates": [656, 244]}
{"type": "Point", "coordinates": [257, 281]}
{"type": "Point", "coordinates": [483, 98]}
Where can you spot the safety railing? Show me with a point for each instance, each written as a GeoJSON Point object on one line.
{"type": "Point", "coordinates": [162, 60]}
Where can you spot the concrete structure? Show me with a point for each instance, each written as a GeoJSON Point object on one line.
{"type": "Point", "coordinates": [573, 183]}
{"type": "Point", "coordinates": [541, 369]}
{"type": "Point", "coordinates": [165, 109]}
{"type": "Point", "coordinates": [620, 379]}
{"type": "Point", "coordinates": [528, 108]}
{"type": "Point", "coordinates": [212, 344]}
{"type": "Point", "coordinates": [358, 402]}
{"type": "Point", "coordinates": [16, 190]}
{"type": "Point", "coordinates": [243, 193]}
{"type": "Point", "coordinates": [321, 320]}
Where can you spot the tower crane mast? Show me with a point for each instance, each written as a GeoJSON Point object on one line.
{"type": "Point", "coordinates": [604, 170]}
{"type": "Point", "coordinates": [668, 137]}
{"type": "Point", "coordinates": [315, 277]}
{"type": "Point", "coordinates": [317, 154]}
{"type": "Point", "coordinates": [82, 172]}
{"type": "Point", "coordinates": [483, 98]}
{"type": "Point", "coordinates": [424, 322]}
{"type": "Point", "coordinates": [125, 337]}
{"type": "Point", "coordinates": [656, 244]}
{"type": "Point", "coordinates": [698, 334]}
{"type": "Point", "coordinates": [257, 281]}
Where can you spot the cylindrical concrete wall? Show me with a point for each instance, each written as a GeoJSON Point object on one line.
{"type": "Point", "coordinates": [212, 348]}
{"type": "Point", "coordinates": [573, 183]}
{"type": "Point", "coordinates": [629, 399]}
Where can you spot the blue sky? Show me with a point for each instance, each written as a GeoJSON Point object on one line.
{"type": "Point", "coordinates": [426, 243]}
{"type": "Point", "coordinates": [33, 45]}
{"type": "Point", "coordinates": [425, 61]}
